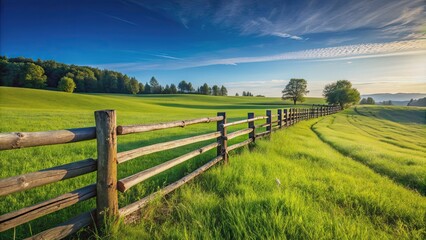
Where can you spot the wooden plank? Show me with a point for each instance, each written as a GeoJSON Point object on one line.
{"type": "Point", "coordinates": [69, 227]}
{"type": "Point", "coordinates": [15, 140]}
{"type": "Point", "coordinates": [245, 121]}
{"type": "Point", "coordinates": [262, 134]}
{"type": "Point", "coordinates": [106, 181]}
{"type": "Point", "coordinates": [128, 182]}
{"type": "Point", "coordinates": [251, 125]}
{"type": "Point", "coordinates": [123, 130]}
{"type": "Point", "coordinates": [241, 144]}
{"type": "Point", "coordinates": [16, 218]}
{"type": "Point", "coordinates": [239, 133]}
{"type": "Point", "coordinates": [46, 176]}
{"type": "Point", "coordinates": [275, 128]}
{"type": "Point", "coordinates": [262, 125]}
{"type": "Point", "coordinates": [128, 155]}
{"type": "Point", "coordinates": [136, 206]}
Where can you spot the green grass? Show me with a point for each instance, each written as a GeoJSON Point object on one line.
{"type": "Point", "coordinates": [326, 191]}
{"type": "Point", "coordinates": [39, 110]}
{"type": "Point", "coordinates": [323, 195]}
{"type": "Point", "coordinates": [390, 140]}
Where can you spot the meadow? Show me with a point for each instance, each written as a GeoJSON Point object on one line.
{"type": "Point", "coordinates": [298, 186]}
{"type": "Point", "coordinates": [40, 110]}
{"type": "Point", "coordinates": [302, 183]}
{"type": "Point", "coordinates": [389, 140]}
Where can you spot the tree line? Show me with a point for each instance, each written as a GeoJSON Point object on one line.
{"type": "Point", "coordinates": [419, 102]}
{"type": "Point", "coordinates": [49, 74]}
{"type": "Point", "coordinates": [367, 101]}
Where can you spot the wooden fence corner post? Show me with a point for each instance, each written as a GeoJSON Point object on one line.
{"type": "Point", "coordinates": [251, 125]}
{"type": "Point", "coordinates": [106, 183]}
{"type": "Point", "coordinates": [223, 141]}
{"type": "Point", "coordinates": [269, 121]}
{"type": "Point", "coordinates": [280, 118]}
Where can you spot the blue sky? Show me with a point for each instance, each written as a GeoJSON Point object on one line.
{"type": "Point", "coordinates": [379, 45]}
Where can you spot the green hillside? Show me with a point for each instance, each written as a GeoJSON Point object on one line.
{"type": "Point", "coordinates": [308, 182]}
{"type": "Point", "coordinates": [358, 174]}
{"type": "Point", "coordinates": [24, 109]}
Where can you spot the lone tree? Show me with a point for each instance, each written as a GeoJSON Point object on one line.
{"type": "Point", "coordinates": [66, 84]}
{"type": "Point", "coordinates": [342, 93]}
{"type": "Point", "coordinates": [296, 90]}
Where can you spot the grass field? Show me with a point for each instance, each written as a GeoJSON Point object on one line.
{"type": "Point", "coordinates": [325, 190]}
{"type": "Point", "coordinates": [296, 186]}
{"type": "Point", "coordinates": [37, 110]}
{"type": "Point", "coordinates": [390, 140]}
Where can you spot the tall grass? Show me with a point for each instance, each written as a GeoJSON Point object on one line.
{"type": "Point", "coordinates": [294, 186]}
{"type": "Point", "coordinates": [390, 140]}
{"type": "Point", "coordinates": [38, 110]}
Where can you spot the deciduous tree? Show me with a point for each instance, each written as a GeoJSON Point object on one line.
{"type": "Point", "coordinates": [341, 93]}
{"type": "Point", "coordinates": [295, 90]}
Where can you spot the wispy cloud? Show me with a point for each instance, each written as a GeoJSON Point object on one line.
{"type": "Point", "coordinates": [394, 19]}
{"type": "Point", "coordinates": [348, 52]}
{"type": "Point", "coordinates": [166, 56]}
{"type": "Point", "coordinates": [118, 19]}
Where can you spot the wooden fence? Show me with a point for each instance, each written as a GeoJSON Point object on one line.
{"type": "Point", "coordinates": [106, 188]}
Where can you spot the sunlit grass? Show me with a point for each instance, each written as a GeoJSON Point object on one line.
{"type": "Point", "coordinates": [38, 110]}
{"type": "Point", "coordinates": [322, 195]}
{"type": "Point", "coordinates": [390, 140]}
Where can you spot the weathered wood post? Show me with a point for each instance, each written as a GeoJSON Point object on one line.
{"type": "Point", "coordinates": [297, 114]}
{"type": "Point", "coordinates": [252, 135]}
{"type": "Point", "coordinates": [280, 118]}
{"type": "Point", "coordinates": [289, 117]}
{"type": "Point", "coordinates": [223, 141]}
{"type": "Point", "coordinates": [286, 117]}
{"type": "Point", "coordinates": [106, 183]}
{"type": "Point", "coordinates": [269, 121]}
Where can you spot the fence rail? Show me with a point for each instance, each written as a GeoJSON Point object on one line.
{"type": "Point", "coordinates": [107, 186]}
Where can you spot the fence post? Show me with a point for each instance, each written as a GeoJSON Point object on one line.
{"type": "Point", "coordinates": [297, 114]}
{"type": "Point", "coordinates": [252, 135]}
{"type": "Point", "coordinates": [269, 121]}
{"type": "Point", "coordinates": [106, 183]}
{"type": "Point", "coordinates": [286, 117]}
{"type": "Point", "coordinates": [289, 117]}
{"type": "Point", "coordinates": [223, 141]}
{"type": "Point", "coordinates": [280, 118]}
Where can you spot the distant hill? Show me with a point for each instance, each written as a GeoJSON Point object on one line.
{"type": "Point", "coordinates": [399, 97]}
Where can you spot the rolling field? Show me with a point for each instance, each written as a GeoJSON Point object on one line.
{"type": "Point", "coordinates": [358, 174]}
{"type": "Point", "coordinates": [298, 186]}
{"type": "Point", "coordinates": [389, 140]}
{"type": "Point", "coordinates": [38, 110]}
